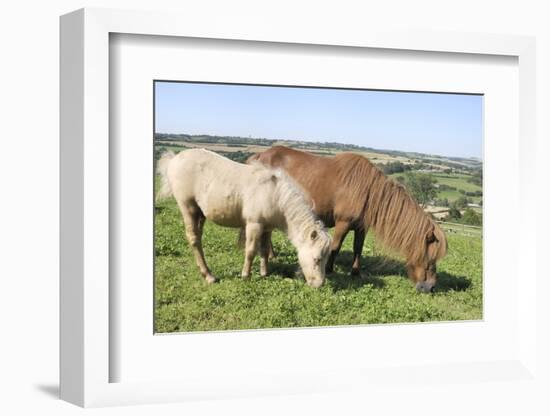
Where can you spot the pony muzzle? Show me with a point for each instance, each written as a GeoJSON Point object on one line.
{"type": "Point", "coordinates": [425, 287]}
{"type": "Point", "coordinates": [316, 282]}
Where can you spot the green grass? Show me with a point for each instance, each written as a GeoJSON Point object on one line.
{"type": "Point", "coordinates": [454, 195]}
{"type": "Point", "coordinates": [458, 181]}
{"type": "Point", "coordinates": [184, 302]}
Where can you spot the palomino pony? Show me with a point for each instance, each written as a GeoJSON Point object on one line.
{"type": "Point", "coordinates": [350, 193]}
{"type": "Point", "coordinates": [209, 186]}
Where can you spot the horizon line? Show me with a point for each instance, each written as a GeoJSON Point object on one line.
{"type": "Point", "coordinates": [479, 158]}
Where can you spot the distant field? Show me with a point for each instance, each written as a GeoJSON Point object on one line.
{"type": "Point", "coordinates": [462, 229]}
{"type": "Point", "coordinates": [374, 157]}
{"type": "Point", "coordinates": [217, 147]}
{"type": "Point", "coordinates": [454, 195]}
{"type": "Point", "coordinates": [456, 180]}
{"type": "Point", "coordinates": [382, 158]}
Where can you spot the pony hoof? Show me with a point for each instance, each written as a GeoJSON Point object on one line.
{"type": "Point", "coordinates": [356, 272]}
{"type": "Point", "coordinates": [210, 279]}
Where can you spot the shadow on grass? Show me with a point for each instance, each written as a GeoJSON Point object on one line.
{"type": "Point", "coordinates": [345, 281]}
{"type": "Point", "coordinates": [381, 266]}
{"type": "Point", "coordinates": [282, 269]}
{"type": "Point", "coordinates": [375, 267]}
{"type": "Point", "coordinates": [447, 282]}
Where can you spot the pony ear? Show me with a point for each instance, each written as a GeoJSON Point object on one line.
{"type": "Point", "coordinates": [313, 235]}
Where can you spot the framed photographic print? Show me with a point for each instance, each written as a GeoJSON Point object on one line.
{"type": "Point", "coordinates": [420, 198]}
{"type": "Point", "coordinates": [179, 142]}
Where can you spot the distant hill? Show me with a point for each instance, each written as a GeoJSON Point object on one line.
{"type": "Point", "coordinates": [323, 148]}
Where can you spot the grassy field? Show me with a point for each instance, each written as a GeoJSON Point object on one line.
{"type": "Point", "coordinates": [456, 180]}
{"type": "Point", "coordinates": [184, 302]}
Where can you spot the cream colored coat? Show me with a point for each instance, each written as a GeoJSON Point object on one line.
{"type": "Point", "coordinates": [209, 186]}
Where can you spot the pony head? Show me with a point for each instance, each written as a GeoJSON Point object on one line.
{"type": "Point", "coordinates": [313, 250]}
{"type": "Point", "coordinates": [421, 268]}
{"type": "Point", "coordinates": [305, 231]}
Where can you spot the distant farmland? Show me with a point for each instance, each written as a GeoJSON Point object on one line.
{"type": "Point", "coordinates": [449, 172]}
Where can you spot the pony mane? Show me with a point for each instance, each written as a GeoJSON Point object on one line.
{"type": "Point", "coordinates": [396, 218]}
{"type": "Point", "coordinates": [296, 205]}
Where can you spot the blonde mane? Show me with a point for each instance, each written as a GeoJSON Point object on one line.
{"type": "Point", "coordinates": [296, 205]}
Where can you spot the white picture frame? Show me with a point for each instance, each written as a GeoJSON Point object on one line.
{"type": "Point", "coordinates": [85, 213]}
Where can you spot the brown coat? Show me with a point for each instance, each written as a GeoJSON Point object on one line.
{"type": "Point", "coordinates": [349, 193]}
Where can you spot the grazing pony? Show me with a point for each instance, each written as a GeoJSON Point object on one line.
{"type": "Point", "coordinates": [209, 186]}
{"type": "Point", "coordinates": [350, 193]}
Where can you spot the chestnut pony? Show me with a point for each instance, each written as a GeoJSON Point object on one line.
{"type": "Point", "coordinates": [350, 193]}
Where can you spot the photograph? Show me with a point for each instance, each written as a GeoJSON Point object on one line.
{"type": "Point", "coordinates": [283, 206]}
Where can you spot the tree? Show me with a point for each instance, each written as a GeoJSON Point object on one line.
{"type": "Point", "coordinates": [394, 167]}
{"type": "Point", "coordinates": [461, 202]}
{"type": "Point", "coordinates": [471, 217]}
{"type": "Point", "coordinates": [477, 177]}
{"type": "Point", "coordinates": [453, 214]}
{"type": "Point", "coordinates": [421, 186]}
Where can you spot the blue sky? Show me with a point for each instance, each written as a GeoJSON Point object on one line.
{"type": "Point", "coordinates": [443, 124]}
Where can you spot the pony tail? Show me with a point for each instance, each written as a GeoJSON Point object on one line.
{"type": "Point", "coordinates": [165, 190]}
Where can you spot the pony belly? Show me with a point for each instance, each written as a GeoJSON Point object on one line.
{"type": "Point", "coordinates": [225, 211]}
{"type": "Point", "coordinates": [225, 221]}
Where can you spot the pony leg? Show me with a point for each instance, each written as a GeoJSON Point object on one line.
{"type": "Point", "coordinates": [358, 241]}
{"type": "Point", "coordinates": [193, 219]}
{"type": "Point", "coordinates": [271, 253]}
{"type": "Point", "coordinates": [265, 249]}
{"type": "Point", "coordinates": [253, 234]}
{"type": "Point", "coordinates": [242, 237]}
{"type": "Point", "coordinates": [341, 229]}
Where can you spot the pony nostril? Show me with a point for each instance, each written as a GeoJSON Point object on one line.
{"type": "Point", "coordinates": [424, 288]}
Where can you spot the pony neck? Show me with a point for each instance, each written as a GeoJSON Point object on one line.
{"type": "Point", "coordinates": [297, 217]}
{"type": "Point", "coordinates": [294, 232]}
